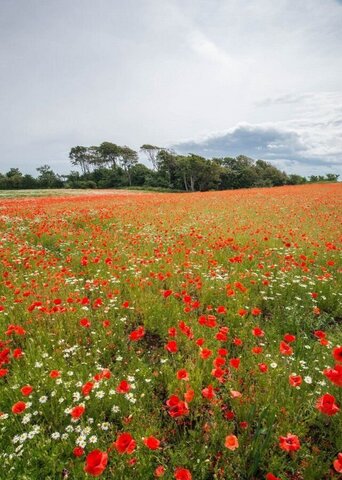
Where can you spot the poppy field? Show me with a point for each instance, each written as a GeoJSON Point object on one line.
{"type": "Point", "coordinates": [175, 336]}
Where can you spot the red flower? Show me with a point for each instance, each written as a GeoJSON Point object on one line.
{"type": "Point", "coordinates": [295, 380]}
{"type": "Point", "coordinates": [137, 334]}
{"type": "Point", "coordinates": [257, 332]}
{"type": "Point", "coordinates": [54, 374]}
{"type": "Point", "coordinates": [289, 338]}
{"type": "Point", "coordinates": [3, 372]}
{"type": "Point", "coordinates": [326, 404]}
{"type": "Point", "coordinates": [183, 474]}
{"type": "Point", "coordinates": [208, 392]}
{"type": "Point", "coordinates": [84, 322]}
{"type": "Point", "coordinates": [87, 388]}
{"type": "Point", "coordinates": [338, 463]}
{"type": "Point", "coordinates": [337, 354]}
{"type": "Point", "coordinates": [270, 476]}
{"type": "Point", "coordinates": [290, 443]}
{"type": "Point", "coordinates": [159, 471]}
{"type": "Point", "coordinates": [231, 442]}
{"type": "Point", "coordinates": [78, 451]}
{"type": "Point", "coordinates": [177, 408]}
{"type": "Point", "coordinates": [96, 462]}
{"type": "Point", "coordinates": [171, 346]}
{"type": "Point", "coordinates": [77, 411]}
{"type": "Point", "coordinates": [334, 374]}
{"type": "Point", "coordinates": [124, 387]}
{"type": "Point", "coordinates": [256, 311]}
{"type": "Point", "coordinates": [26, 390]}
{"type": "Point", "coordinates": [19, 408]}
{"type": "Point", "coordinates": [183, 375]}
{"type": "Point", "coordinates": [151, 442]}
{"type": "Point", "coordinates": [263, 367]}
{"type": "Point", "coordinates": [125, 443]}
{"type": "Point", "coordinates": [285, 348]}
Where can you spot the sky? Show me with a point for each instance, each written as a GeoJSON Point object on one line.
{"type": "Point", "coordinates": [214, 77]}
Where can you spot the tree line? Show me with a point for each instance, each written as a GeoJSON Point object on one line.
{"type": "Point", "coordinates": [112, 166]}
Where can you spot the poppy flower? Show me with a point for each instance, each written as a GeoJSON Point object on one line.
{"type": "Point", "coordinates": [338, 463]}
{"type": "Point", "coordinates": [182, 474]}
{"type": "Point", "coordinates": [171, 346]}
{"type": "Point", "coordinates": [137, 334]}
{"type": "Point", "coordinates": [182, 375]}
{"type": "Point", "coordinates": [295, 380]}
{"type": "Point", "coordinates": [159, 471]}
{"type": "Point", "coordinates": [285, 348]}
{"type": "Point", "coordinates": [78, 451]}
{"type": "Point", "coordinates": [334, 374]}
{"type": "Point", "coordinates": [87, 388]}
{"type": "Point", "coordinates": [151, 442]}
{"type": "Point", "coordinates": [54, 374]}
{"type": "Point", "coordinates": [96, 462]}
{"type": "Point", "coordinates": [77, 411]}
{"type": "Point", "coordinates": [290, 443]}
{"type": "Point", "coordinates": [176, 407]}
{"type": "Point", "coordinates": [125, 443]}
{"type": "Point", "coordinates": [26, 390]}
{"type": "Point", "coordinates": [231, 442]}
{"type": "Point", "coordinates": [19, 408]}
{"type": "Point", "coordinates": [326, 404]}
{"type": "Point", "coordinates": [337, 354]}
{"type": "Point", "coordinates": [123, 387]}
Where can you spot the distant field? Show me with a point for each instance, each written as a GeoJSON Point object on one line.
{"type": "Point", "coordinates": [176, 336]}
{"type": "Point", "coordinates": [60, 192]}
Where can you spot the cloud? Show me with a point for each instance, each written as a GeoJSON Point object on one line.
{"type": "Point", "coordinates": [301, 150]}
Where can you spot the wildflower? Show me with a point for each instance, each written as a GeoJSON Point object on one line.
{"type": "Point", "coordinates": [125, 443]}
{"type": "Point", "coordinates": [290, 443]}
{"type": "Point", "coordinates": [326, 404]}
{"type": "Point", "coordinates": [231, 442]}
{"type": "Point", "coordinates": [19, 408]}
{"type": "Point", "coordinates": [151, 442]}
{"type": "Point", "coordinates": [96, 462]}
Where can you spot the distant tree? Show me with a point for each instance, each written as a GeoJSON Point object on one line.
{"type": "Point", "coordinates": [151, 151]}
{"type": "Point", "coordinates": [47, 178]}
{"type": "Point", "coordinates": [140, 174]}
{"type": "Point", "coordinates": [332, 177]}
{"type": "Point", "coordinates": [294, 179]}
{"type": "Point", "coordinates": [128, 158]}
{"type": "Point", "coordinates": [109, 154]}
{"type": "Point", "coordinates": [14, 179]}
{"type": "Point", "coordinates": [79, 158]}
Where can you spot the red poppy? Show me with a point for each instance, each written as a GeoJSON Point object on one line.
{"type": "Point", "coordinates": [176, 407]}
{"type": "Point", "coordinates": [295, 380]}
{"type": "Point", "coordinates": [77, 411]}
{"type": "Point", "coordinates": [123, 387]}
{"type": "Point", "coordinates": [183, 375]}
{"type": "Point", "coordinates": [290, 443]}
{"type": "Point", "coordinates": [337, 354]}
{"type": "Point", "coordinates": [19, 408]}
{"type": "Point", "coordinates": [125, 443]}
{"type": "Point", "coordinates": [26, 390]}
{"type": "Point", "coordinates": [151, 442]}
{"type": "Point", "coordinates": [78, 451]}
{"type": "Point", "coordinates": [326, 404]}
{"type": "Point", "coordinates": [171, 346]}
{"type": "Point", "coordinates": [338, 463]}
{"type": "Point", "coordinates": [96, 462]}
{"type": "Point", "coordinates": [334, 374]}
{"type": "Point", "coordinates": [183, 474]}
{"type": "Point", "coordinates": [87, 388]}
{"type": "Point", "coordinates": [285, 348]}
{"type": "Point", "coordinates": [231, 442]}
{"type": "Point", "coordinates": [137, 334]}
{"type": "Point", "coordinates": [159, 471]}
{"type": "Point", "coordinates": [54, 374]}
{"type": "Point", "coordinates": [209, 392]}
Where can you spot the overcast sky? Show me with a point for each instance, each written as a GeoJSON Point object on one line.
{"type": "Point", "coordinates": [215, 77]}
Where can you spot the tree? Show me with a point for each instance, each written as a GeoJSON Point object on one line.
{"type": "Point", "coordinates": [151, 151]}
{"type": "Point", "coordinates": [79, 158]}
{"type": "Point", "coordinates": [109, 154]}
{"type": "Point", "coordinates": [128, 158]}
{"type": "Point", "coordinates": [47, 178]}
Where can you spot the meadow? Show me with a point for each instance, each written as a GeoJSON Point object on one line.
{"type": "Point", "coordinates": [176, 336]}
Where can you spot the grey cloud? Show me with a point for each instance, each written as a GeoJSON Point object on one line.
{"type": "Point", "coordinates": [282, 146]}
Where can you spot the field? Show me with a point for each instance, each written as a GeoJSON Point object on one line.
{"type": "Point", "coordinates": [175, 336]}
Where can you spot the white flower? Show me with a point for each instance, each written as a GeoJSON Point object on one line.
{"type": "Point", "coordinates": [55, 435]}
{"type": "Point", "coordinates": [273, 365]}
{"type": "Point", "coordinates": [308, 380]}
{"type": "Point", "coordinates": [93, 439]}
{"type": "Point", "coordinates": [43, 399]}
{"type": "Point", "coordinates": [115, 409]}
